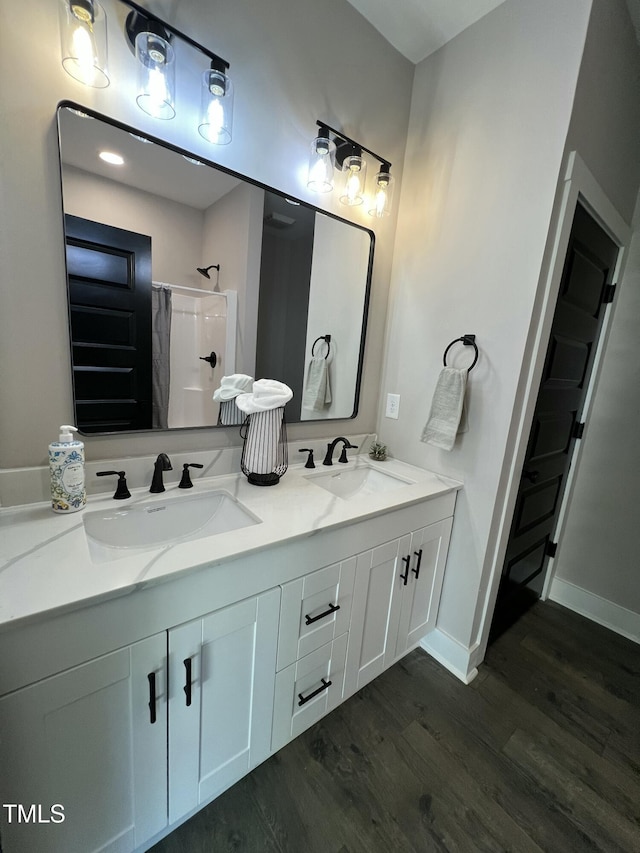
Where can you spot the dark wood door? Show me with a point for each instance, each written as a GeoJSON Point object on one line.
{"type": "Point", "coordinates": [585, 286]}
{"type": "Point", "coordinates": [109, 272]}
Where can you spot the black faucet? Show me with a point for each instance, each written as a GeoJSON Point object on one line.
{"type": "Point", "coordinates": [162, 463]}
{"type": "Point", "coordinates": [328, 459]}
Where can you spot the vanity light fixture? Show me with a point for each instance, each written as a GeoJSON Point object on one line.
{"type": "Point", "coordinates": [354, 169]}
{"type": "Point", "coordinates": [322, 162]}
{"type": "Point", "coordinates": [348, 155]}
{"type": "Point", "coordinates": [153, 41]}
{"type": "Point", "coordinates": [383, 192]}
{"type": "Point", "coordinates": [156, 66]}
{"type": "Point", "coordinates": [216, 110]}
{"type": "Point", "coordinates": [83, 42]}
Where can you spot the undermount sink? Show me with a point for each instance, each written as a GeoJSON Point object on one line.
{"type": "Point", "coordinates": [363, 479]}
{"type": "Point", "coordinates": [153, 522]}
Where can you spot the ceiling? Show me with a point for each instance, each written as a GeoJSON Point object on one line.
{"type": "Point", "coordinates": [417, 28]}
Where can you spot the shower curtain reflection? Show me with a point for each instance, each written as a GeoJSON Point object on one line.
{"type": "Point", "coordinates": [160, 354]}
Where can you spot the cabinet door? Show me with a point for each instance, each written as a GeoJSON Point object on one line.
{"type": "Point", "coordinates": [377, 599]}
{"type": "Point", "coordinates": [221, 676]}
{"type": "Point", "coordinates": [91, 740]}
{"type": "Point", "coordinates": [421, 594]}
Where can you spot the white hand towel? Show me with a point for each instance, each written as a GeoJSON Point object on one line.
{"type": "Point", "coordinates": [317, 392]}
{"type": "Point", "coordinates": [232, 385]}
{"type": "Point", "coordinates": [446, 408]}
{"type": "Point", "coordinates": [267, 394]}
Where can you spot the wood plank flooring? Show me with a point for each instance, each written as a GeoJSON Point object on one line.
{"type": "Point", "coordinates": [540, 753]}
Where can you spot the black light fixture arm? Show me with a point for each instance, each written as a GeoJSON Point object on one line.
{"type": "Point", "coordinates": [382, 160]}
{"type": "Point", "coordinates": [220, 63]}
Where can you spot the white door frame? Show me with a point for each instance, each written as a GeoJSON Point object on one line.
{"type": "Point", "coordinates": [578, 184]}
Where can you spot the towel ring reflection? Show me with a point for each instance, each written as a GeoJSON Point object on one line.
{"type": "Point", "coordinates": [327, 340]}
{"type": "Point", "coordinates": [468, 341]}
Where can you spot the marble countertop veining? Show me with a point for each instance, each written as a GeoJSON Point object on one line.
{"type": "Point", "coordinates": [46, 566]}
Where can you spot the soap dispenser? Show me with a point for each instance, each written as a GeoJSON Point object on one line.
{"type": "Point", "coordinates": [66, 466]}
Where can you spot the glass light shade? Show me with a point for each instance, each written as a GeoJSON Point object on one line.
{"type": "Point", "coordinates": [321, 164]}
{"type": "Point", "coordinates": [354, 168]}
{"type": "Point", "coordinates": [156, 75]}
{"type": "Point", "coordinates": [83, 42]}
{"type": "Point", "coordinates": [216, 110]}
{"type": "Point", "coordinates": [382, 200]}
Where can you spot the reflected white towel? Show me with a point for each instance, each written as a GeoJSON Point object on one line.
{"type": "Point", "coordinates": [267, 394]}
{"type": "Point", "coordinates": [446, 408]}
{"type": "Point", "coordinates": [232, 385]}
{"type": "Point", "coordinates": [317, 392]}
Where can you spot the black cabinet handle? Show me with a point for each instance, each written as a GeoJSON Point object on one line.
{"type": "Point", "coordinates": [152, 697]}
{"type": "Point", "coordinates": [304, 699]}
{"type": "Point", "coordinates": [416, 571]}
{"type": "Point", "coordinates": [187, 680]}
{"type": "Point", "coordinates": [532, 476]}
{"type": "Point", "coordinates": [405, 577]}
{"type": "Point", "coordinates": [309, 620]}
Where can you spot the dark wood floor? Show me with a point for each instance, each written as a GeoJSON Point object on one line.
{"type": "Point", "coordinates": [540, 753]}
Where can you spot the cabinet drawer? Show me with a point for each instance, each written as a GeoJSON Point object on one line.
{"type": "Point", "coordinates": [314, 610]}
{"type": "Point", "coordinates": [307, 690]}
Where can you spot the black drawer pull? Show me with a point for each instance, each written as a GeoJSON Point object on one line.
{"type": "Point", "coordinates": [416, 571]}
{"type": "Point", "coordinates": [187, 680]}
{"type": "Point", "coordinates": [304, 699]}
{"type": "Point", "coordinates": [152, 697]}
{"type": "Point", "coordinates": [405, 576]}
{"type": "Point", "coordinates": [309, 620]}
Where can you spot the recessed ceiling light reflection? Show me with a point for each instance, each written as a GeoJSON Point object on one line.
{"type": "Point", "coordinates": [112, 158]}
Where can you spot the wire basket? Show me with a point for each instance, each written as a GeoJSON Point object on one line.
{"type": "Point", "coordinates": [229, 414]}
{"type": "Point", "coordinates": [264, 453]}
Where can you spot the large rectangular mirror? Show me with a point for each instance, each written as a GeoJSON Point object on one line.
{"type": "Point", "coordinates": [181, 272]}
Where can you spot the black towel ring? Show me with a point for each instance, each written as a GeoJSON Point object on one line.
{"type": "Point", "coordinates": [327, 340]}
{"type": "Point", "coordinates": [468, 341]}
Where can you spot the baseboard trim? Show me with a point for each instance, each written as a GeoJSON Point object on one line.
{"type": "Point", "coordinates": [600, 610]}
{"type": "Point", "coordinates": [453, 655]}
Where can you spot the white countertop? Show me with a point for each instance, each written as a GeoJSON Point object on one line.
{"type": "Point", "coordinates": [46, 566]}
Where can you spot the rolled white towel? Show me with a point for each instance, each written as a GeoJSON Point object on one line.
{"type": "Point", "coordinates": [267, 394]}
{"type": "Point", "coordinates": [232, 385]}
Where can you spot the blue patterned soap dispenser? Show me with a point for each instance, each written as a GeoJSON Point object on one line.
{"type": "Point", "coordinates": [66, 465]}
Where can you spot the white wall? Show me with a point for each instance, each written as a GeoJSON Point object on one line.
{"type": "Point", "coordinates": [232, 237]}
{"type": "Point", "coordinates": [605, 124]}
{"type": "Point", "coordinates": [175, 229]}
{"type": "Point", "coordinates": [285, 79]}
{"type": "Point", "coordinates": [332, 306]}
{"type": "Point", "coordinates": [489, 119]}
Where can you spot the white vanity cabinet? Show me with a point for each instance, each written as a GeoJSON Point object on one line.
{"type": "Point", "coordinates": [132, 741]}
{"type": "Point", "coordinates": [130, 707]}
{"type": "Point", "coordinates": [396, 593]}
{"type": "Point", "coordinates": [92, 739]}
{"type": "Point", "coordinates": [221, 684]}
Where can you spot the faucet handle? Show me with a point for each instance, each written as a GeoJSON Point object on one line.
{"type": "Point", "coordinates": [343, 455]}
{"type": "Point", "coordinates": [122, 491]}
{"type": "Point", "coordinates": [185, 482]}
{"type": "Point", "coordinates": [309, 463]}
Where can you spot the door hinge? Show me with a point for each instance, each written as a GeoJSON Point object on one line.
{"type": "Point", "coordinates": [551, 549]}
{"type": "Point", "coordinates": [578, 430]}
{"type": "Point", "coordinates": [608, 293]}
